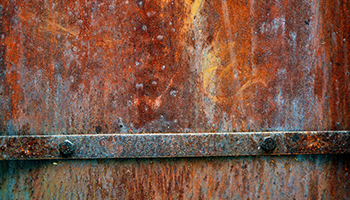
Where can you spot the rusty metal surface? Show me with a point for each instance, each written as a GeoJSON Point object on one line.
{"type": "Point", "coordinates": [132, 66]}
{"type": "Point", "coordinates": [137, 66]}
{"type": "Point", "coordinates": [262, 177]}
{"type": "Point", "coordinates": [172, 145]}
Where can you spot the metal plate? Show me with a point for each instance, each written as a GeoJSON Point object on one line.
{"type": "Point", "coordinates": [134, 66]}
{"type": "Point", "coordinates": [173, 145]}
{"type": "Point", "coordinates": [253, 177]}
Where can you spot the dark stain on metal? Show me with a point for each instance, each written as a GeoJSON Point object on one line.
{"type": "Point", "coordinates": [98, 129]}
{"type": "Point", "coordinates": [268, 144]}
{"type": "Point", "coordinates": [173, 145]}
{"type": "Point", "coordinates": [66, 148]}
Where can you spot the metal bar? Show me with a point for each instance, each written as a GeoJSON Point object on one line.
{"type": "Point", "coordinates": [172, 145]}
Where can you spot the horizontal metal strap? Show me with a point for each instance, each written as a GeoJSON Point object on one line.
{"type": "Point", "coordinates": [173, 145]}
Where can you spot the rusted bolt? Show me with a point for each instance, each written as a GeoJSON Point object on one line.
{"type": "Point", "coordinates": [66, 148]}
{"type": "Point", "coordinates": [268, 144]}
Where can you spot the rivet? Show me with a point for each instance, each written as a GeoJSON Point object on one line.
{"type": "Point", "coordinates": [66, 148]}
{"type": "Point", "coordinates": [268, 144]}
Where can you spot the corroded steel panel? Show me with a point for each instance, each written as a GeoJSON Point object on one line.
{"type": "Point", "coordinates": [272, 177]}
{"type": "Point", "coordinates": [72, 67]}
{"type": "Point", "coordinates": [132, 66]}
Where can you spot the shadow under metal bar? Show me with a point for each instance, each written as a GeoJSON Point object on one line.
{"type": "Point", "coordinates": [173, 145]}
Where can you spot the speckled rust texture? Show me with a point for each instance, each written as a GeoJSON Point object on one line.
{"type": "Point", "coordinates": [132, 66]}
{"type": "Point", "coordinates": [290, 177]}
{"type": "Point", "coordinates": [173, 66]}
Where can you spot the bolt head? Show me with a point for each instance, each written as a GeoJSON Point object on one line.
{"type": "Point", "coordinates": [268, 144]}
{"type": "Point", "coordinates": [66, 148]}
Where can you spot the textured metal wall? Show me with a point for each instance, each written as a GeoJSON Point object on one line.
{"type": "Point", "coordinates": [289, 177]}
{"type": "Point", "coordinates": [174, 66]}
{"type": "Point", "coordinates": [75, 67]}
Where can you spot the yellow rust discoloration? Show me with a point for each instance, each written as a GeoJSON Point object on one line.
{"type": "Point", "coordinates": [193, 10]}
